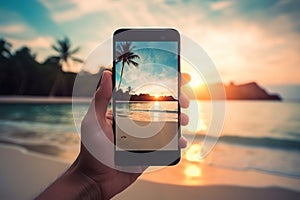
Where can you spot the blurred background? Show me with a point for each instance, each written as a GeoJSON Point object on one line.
{"type": "Point", "coordinates": [254, 45]}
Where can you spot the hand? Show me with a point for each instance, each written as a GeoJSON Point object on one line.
{"type": "Point", "coordinates": [97, 179]}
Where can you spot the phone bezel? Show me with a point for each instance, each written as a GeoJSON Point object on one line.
{"type": "Point", "coordinates": [146, 157]}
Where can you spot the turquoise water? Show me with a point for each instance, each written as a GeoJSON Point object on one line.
{"type": "Point", "coordinates": [38, 124]}
{"type": "Point", "coordinates": [257, 135]}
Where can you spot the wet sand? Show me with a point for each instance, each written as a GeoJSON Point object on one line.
{"type": "Point", "coordinates": [24, 174]}
{"type": "Point", "coordinates": [145, 135]}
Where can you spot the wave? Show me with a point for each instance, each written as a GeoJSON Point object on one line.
{"type": "Point", "coordinates": [278, 143]}
{"type": "Point", "coordinates": [260, 169]}
{"type": "Point", "coordinates": [161, 111]}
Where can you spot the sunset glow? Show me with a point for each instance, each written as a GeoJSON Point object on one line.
{"type": "Point", "coordinates": [224, 29]}
{"type": "Point", "coordinates": [193, 153]}
{"type": "Point", "coordinates": [169, 99]}
{"type": "Point", "coordinates": [193, 171]}
{"type": "Point", "coordinates": [196, 81]}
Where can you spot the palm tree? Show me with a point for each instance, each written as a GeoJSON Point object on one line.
{"type": "Point", "coordinates": [65, 52]}
{"type": "Point", "coordinates": [65, 55]}
{"type": "Point", "coordinates": [125, 54]}
{"type": "Point", "coordinates": [4, 49]}
{"type": "Point", "coordinates": [6, 72]}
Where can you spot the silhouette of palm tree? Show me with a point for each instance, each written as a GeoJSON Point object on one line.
{"type": "Point", "coordinates": [124, 54]}
{"type": "Point", "coordinates": [65, 52]}
{"type": "Point", "coordinates": [5, 49]}
{"type": "Point", "coordinates": [65, 55]}
{"type": "Point", "coordinates": [24, 57]}
{"type": "Point", "coordinates": [6, 71]}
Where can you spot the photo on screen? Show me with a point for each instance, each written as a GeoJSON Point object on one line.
{"type": "Point", "coordinates": [146, 95]}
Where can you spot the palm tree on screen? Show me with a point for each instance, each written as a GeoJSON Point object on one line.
{"type": "Point", "coordinates": [125, 54]}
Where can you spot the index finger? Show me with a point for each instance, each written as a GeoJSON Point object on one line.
{"type": "Point", "coordinates": [184, 78]}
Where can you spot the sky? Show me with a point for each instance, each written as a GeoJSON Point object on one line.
{"type": "Point", "coordinates": [157, 71]}
{"type": "Point", "coordinates": [247, 40]}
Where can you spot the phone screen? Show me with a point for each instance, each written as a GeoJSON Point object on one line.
{"type": "Point", "coordinates": [146, 97]}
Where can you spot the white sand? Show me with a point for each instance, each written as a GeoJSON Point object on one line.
{"type": "Point", "coordinates": [24, 174]}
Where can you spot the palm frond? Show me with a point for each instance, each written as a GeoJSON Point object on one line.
{"type": "Point", "coordinates": [74, 50]}
{"type": "Point", "coordinates": [55, 48]}
{"type": "Point", "coordinates": [125, 54]}
{"type": "Point", "coordinates": [133, 56]}
{"type": "Point", "coordinates": [133, 63]}
{"type": "Point", "coordinates": [76, 59]}
{"type": "Point", "coordinates": [65, 52]}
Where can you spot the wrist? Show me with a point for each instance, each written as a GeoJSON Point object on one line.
{"type": "Point", "coordinates": [87, 187]}
{"type": "Point", "coordinates": [72, 185]}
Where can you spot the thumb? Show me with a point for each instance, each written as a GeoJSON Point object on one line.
{"type": "Point", "coordinates": [103, 94]}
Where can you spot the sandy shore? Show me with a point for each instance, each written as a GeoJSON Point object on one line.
{"type": "Point", "coordinates": [24, 174]}
{"type": "Point", "coordinates": [145, 135]}
{"type": "Point", "coordinates": [148, 191]}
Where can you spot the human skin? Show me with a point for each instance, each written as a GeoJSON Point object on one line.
{"type": "Point", "coordinates": [88, 178]}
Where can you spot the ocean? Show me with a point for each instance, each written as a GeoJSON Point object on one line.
{"type": "Point", "coordinates": [148, 110]}
{"type": "Point", "coordinates": [257, 135]}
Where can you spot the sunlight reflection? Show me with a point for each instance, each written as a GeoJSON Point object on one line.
{"type": "Point", "coordinates": [193, 153]}
{"type": "Point", "coordinates": [156, 114]}
{"type": "Point", "coordinates": [192, 171]}
{"type": "Point", "coordinates": [196, 118]}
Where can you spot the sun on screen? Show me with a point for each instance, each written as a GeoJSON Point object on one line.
{"type": "Point", "coordinates": [156, 96]}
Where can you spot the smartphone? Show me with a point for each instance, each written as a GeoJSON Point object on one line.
{"type": "Point", "coordinates": [145, 100]}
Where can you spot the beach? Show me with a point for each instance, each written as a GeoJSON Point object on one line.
{"type": "Point", "coordinates": [256, 157]}
{"type": "Point", "coordinates": [146, 136]}
{"type": "Point", "coordinates": [24, 174]}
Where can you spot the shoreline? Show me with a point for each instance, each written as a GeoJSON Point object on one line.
{"type": "Point", "coordinates": [68, 99]}
{"type": "Point", "coordinates": [19, 165]}
{"type": "Point", "coordinates": [43, 100]}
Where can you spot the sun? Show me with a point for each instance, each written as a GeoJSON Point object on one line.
{"type": "Point", "coordinates": [156, 96]}
{"type": "Point", "coordinates": [196, 79]}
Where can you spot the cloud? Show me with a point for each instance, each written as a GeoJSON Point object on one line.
{"type": "Point", "coordinates": [17, 30]}
{"type": "Point", "coordinates": [248, 51]}
{"type": "Point", "coordinates": [221, 5]}
{"type": "Point", "coordinates": [39, 45]}
{"type": "Point", "coordinates": [38, 42]}
{"type": "Point", "coordinates": [148, 13]}
{"type": "Point", "coordinates": [247, 40]}
{"type": "Point", "coordinates": [13, 28]}
{"type": "Point", "coordinates": [56, 4]}
{"type": "Point", "coordinates": [66, 10]}
{"type": "Point", "coordinates": [149, 80]}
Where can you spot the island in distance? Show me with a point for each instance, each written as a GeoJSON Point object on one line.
{"type": "Point", "coordinates": [247, 91]}
{"type": "Point", "coordinates": [64, 87]}
{"type": "Point", "coordinates": [125, 96]}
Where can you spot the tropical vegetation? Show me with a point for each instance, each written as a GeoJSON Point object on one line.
{"type": "Point", "coordinates": [22, 74]}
